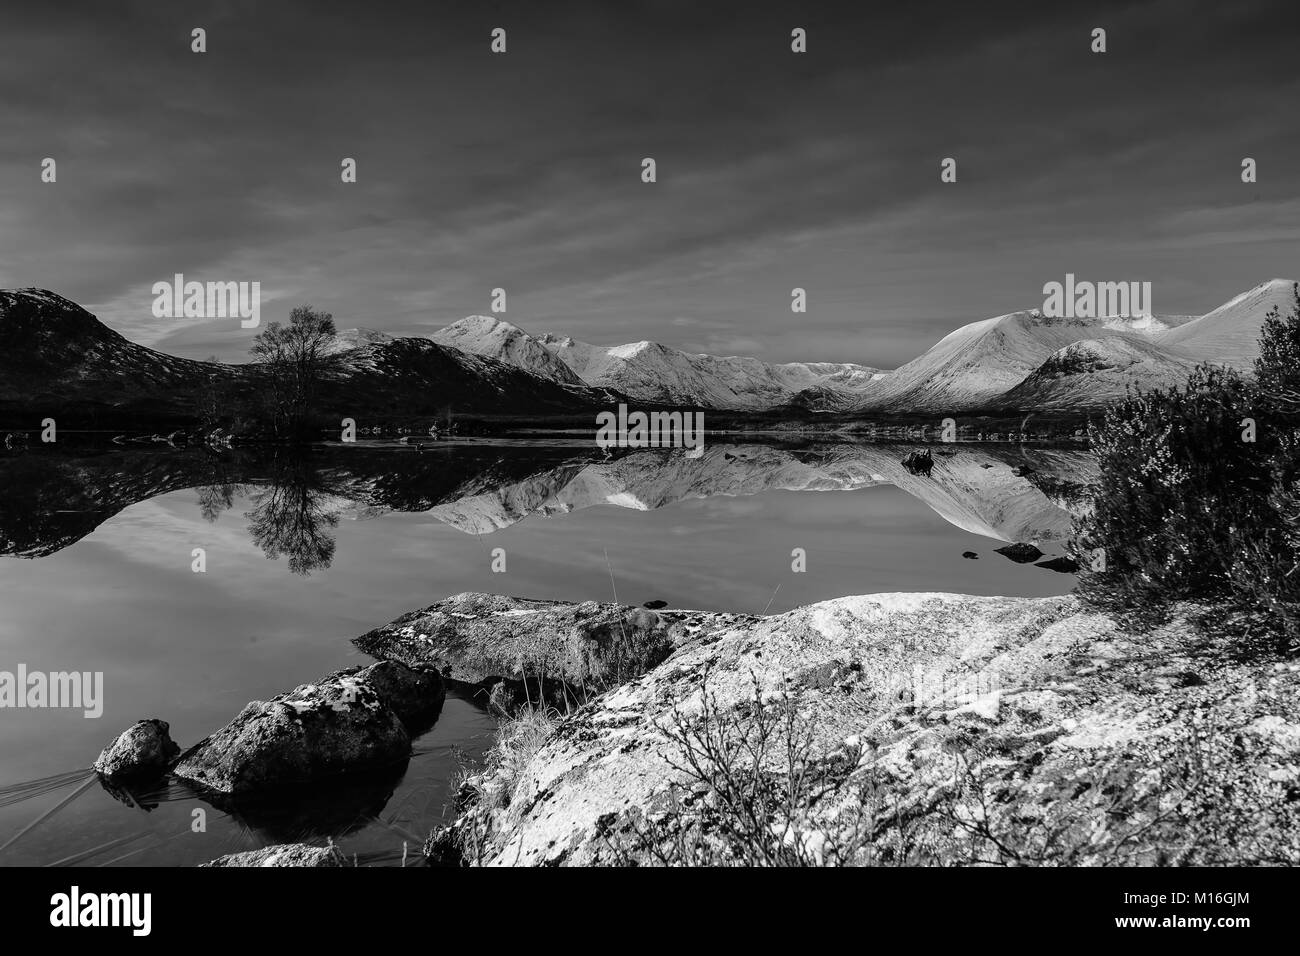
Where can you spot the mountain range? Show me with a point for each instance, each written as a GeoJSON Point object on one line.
{"type": "Point", "coordinates": [1023, 361]}
{"type": "Point", "coordinates": [58, 359]}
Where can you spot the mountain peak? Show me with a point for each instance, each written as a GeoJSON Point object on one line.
{"type": "Point", "coordinates": [496, 338]}
{"type": "Point", "coordinates": [488, 323]}
{"type": "Point", "coordinates": [1230, 334]}
{"type": "Point", "coordinates": [45, 316]}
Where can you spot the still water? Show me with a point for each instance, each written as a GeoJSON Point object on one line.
{"type": "Point", "coordinates": [304, 553]}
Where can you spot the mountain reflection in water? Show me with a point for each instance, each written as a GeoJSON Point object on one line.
{"type": "Point", "coordinates": [357, 535]}
{"type": "Point", "coordinates": [1009, 493]}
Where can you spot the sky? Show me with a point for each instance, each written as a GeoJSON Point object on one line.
{"type": "Point", "coordinates": [522, 170]}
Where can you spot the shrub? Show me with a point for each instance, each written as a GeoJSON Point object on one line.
{"type": "Point", "coordinates": [1179, 492]}
{"type": "Point", "coordinates": [1199, 496]}
{"type": "Point", "coordinates": [1277, 370]}
{"type": "Point", "coordinates": [755, 793]}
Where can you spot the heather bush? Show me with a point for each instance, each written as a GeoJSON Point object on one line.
{"type": "Point", "coordinates": [1277, 370]}
{"type": "Point", "coordinates": [1199, 496]}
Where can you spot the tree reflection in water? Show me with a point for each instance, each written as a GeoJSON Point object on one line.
{"type": "Point", "coordinates": [292, 516]}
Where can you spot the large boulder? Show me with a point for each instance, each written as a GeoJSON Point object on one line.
{"type": "Point", "coordinates": [144, 748]}
{"type": "Point", "coordinates": [522, 649]}
{"type": "Point", "coordinates": [928, 729]}
{"type": "Point", "coordinates": [353, 720]}
{"type": "Point", "coordinates": [284, 854]}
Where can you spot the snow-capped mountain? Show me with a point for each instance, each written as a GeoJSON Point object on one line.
{"type": "Point", "coordinates": [656, 373]}
{"type": "Point", "coordinates": [1020, 361]}
{"type": "Point", "coordinates": [57, 359]}
{"type": "Point", "coordinates": [980, 365]}
{"type": "Point", "coordinates": [418, 376]}
{"type": "Point", "coordinates": [1097, 371]}
{"type": "Point", "coordinates": [347, 339]}
{"type": "Point", "coordinates": [1230, 334]}
{"type": "Point", "coordinates": [506, 342]}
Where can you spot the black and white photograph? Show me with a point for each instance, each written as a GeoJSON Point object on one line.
{"type": "Point", "coordinates": [650, 434]}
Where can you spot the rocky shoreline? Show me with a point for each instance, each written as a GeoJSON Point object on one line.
{"type": "Point", "coordinates": [911, 728]}
{"type": "Point", "coordinates": [939, 729]}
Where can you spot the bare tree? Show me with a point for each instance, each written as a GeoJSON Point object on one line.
{"type": "Point", "coordinates": [295, 359]}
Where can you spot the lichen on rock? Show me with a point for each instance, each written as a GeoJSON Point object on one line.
{"type": "Point", "coordinates": [352, 720]}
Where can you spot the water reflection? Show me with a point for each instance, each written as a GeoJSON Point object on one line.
{"type": "Point", "coordinates": [373, 531]}
{"type": "Point", "coordinates": [292, 517]}
{"type": "Point", "coordinates": [1010, 493]}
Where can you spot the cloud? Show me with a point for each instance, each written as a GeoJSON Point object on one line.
{"type": "Point", "coordinates": [522, 171]}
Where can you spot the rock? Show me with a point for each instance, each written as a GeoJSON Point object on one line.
{"type": "Point", "coordinates": [1022, 471]}
{"type": "Point", "coordinates": [143, 749]}
{"type": "Point", "coordinates": [919, 462]}
{"type": "Point", "coordinates": [841, 660]}
{"type": "Point", "coordinates": [542, 650]}
{"type": "Point", "coordinates": [1020, 553]}
{"type": "Point", "coordinates": [352, 720]}
{"type": "Point", "coordinates": [414, 693]}
{"type": "Point", "coordinates": [971, 555]}
{"type": "Point", "coordinates": [938, 707]}
{"type": "Point", "coordinates": [284, 854]}
{"type": "Point", "coordinates": [442, 848]}
{"type": "Point", "coordinates": [504, 698]}
{"type": "Point", "coordinates": [655, 605]}
{"type": "Point", "coordinates": [1061, 564]}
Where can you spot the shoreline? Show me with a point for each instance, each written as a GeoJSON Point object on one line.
{"type": "Point", "coordinates": [943, 730]}
{"type": "Point", "coordinates": [939, 728]}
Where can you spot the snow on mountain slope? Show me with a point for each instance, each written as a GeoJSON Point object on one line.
{"type": "Point", "coordinates": [1096, 372]}
{"type": "Point", "coordinates": [417, 374]}
{"type": "Point", "coordinates": [975, 365]}
{"type": "Point", "coordinates": [495, 338]}
{"type": "Point", "coordinates": [55, 357]}
{"type": "Point", "coordinates": [347, 339]}
{"type": "Point", "coordinates": [1146, 324]}
{"type": "Point", "coordinates": [1230, 334]}
{"type": "Point", "coordinates": [655, 373]}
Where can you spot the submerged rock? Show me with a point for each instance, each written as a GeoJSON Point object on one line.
{"type": "Point", "coordinates": [144, 748]}
{"type": "Point", "coordinates": [970, 555]}
{"type": "Point", "coordinates": [1020, 553]}
{"type": "Point", "coordinates": [352, 720]}
{"type": "Point", "coordinates": [285, 854]}
{"type": "Point", "coordinates": [1062, 564]}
